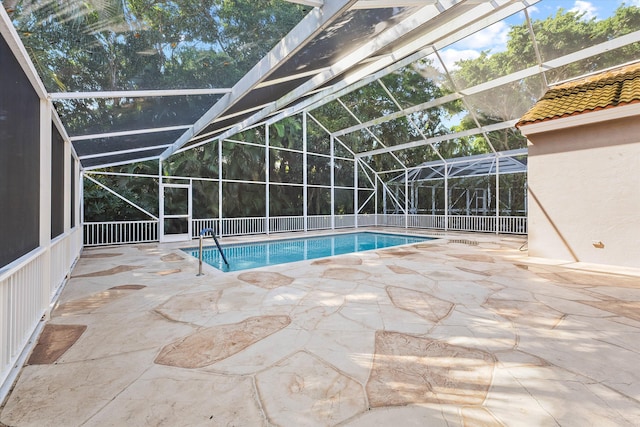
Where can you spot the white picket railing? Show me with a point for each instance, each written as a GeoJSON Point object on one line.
{"type": "Point", "coordinates": [367, 220]}
{"type": "Point", "coordinates": [426, 221]}
{"type": "Point", "coordinates": [59, 262]}
{"type": "Point", "coordinates": [118, 232]}
{"type": "Point", "coordinates": [23, 301]}
{"type": "Point", "coordinates": [319, 222]}
{"type": "Point", "coordinates": [345, 221]}
{"type": "Point", "coordinates": [392, 220]}
{"type": "Point", "coordinates": [487, 224]}
{"type": "Point", "coordinates": [281, 224]}
{"type": "Point", "coordinates": [64, 252]}
{"type": "Point", "coordinates": [27, 288]}
{"type": "Point", "coordinates": [200, 224]}
{"type": "Point", "coordinates": [512, 225]}
{"type": "Point", "coordinates": [475, 223]}
{"type": "Point", "coordinates": [242, 226]}
{"type": "Point", "coordinates": [109, 233]}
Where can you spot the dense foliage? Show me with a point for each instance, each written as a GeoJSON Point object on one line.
{"type": "Point", "coordinates": [155, 44]}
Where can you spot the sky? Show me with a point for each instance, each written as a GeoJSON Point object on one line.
{"type": "Point", "coordinates": [494, 38]}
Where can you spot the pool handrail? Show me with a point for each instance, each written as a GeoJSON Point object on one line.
{"type": "Point", "coordinates": [203, 232]}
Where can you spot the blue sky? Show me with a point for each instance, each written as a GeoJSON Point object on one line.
{"type": "Point", "coordinates": [494, 38]}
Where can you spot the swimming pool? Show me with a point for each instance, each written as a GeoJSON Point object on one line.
{"type": "Point", "coordinates": [253, 255]}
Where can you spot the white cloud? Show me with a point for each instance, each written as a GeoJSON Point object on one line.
{"type": "Point", "coordinates": [632, 2]}
{"type": "Point", "coordinates": [451, 56]}
{"type": "Point", "coordinates": [493, 37]}
{"type": "Point", "coordinates": [585, 7]}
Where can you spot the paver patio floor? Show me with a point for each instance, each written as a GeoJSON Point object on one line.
{"type": "Point", "coordinates": [463, 330]}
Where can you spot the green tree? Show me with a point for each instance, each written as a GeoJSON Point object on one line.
{"type": "Point", "coordinates": [564, 33]}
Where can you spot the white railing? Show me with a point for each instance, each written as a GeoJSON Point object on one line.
{"type": "Point", "coordinates": [280, 224]}
{"type": "Point", "coordinates": [24, 291]}
{"type": "Point", "coordinates": [60, 263]}
{"type": "Point", "coordinates": [76, 240]}
{"type": "Point", "coordinates": [28, 286]}
{"type": "Point", "coordinates": [197, 225]}
{"type": "Point", "coordinates": [109, 233]}
{"type": "Point", "coordinates": [241, 226]}
{"type": "Point", "coordinates": [505, 224]}
{"type": "Point", "coordinates": [117, 232]}
{"type": "Point", "coordinates": [487, 224]}
{"type": "Point", "coordinates": [512, 225]}
{"type": "Point", "coordinates": [392, 220]}
{"type": "Point", "coordinates": [426, 221]}
{"type": "Point", "coordinates": [64, 252]}
{"type": "Point", "coordinates": [319, 222]}
{"type": "Point", "coordinates": [475, 223]}
{"type": "Point", "coordinates": [344, 221]}
{"type": "Point", "coordinates": [366, 220]}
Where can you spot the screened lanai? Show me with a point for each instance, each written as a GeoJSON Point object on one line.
{"type": "Point", "coordinates": [305, 124]}
{"type": "Point", "coordinates": [136, 121]}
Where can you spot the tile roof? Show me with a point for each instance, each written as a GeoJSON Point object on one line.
{"type": "Point", "coordinates": [615, 87]}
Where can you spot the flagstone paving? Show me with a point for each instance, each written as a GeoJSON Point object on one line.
{"type": "Point", "coordinates": [463, 330]}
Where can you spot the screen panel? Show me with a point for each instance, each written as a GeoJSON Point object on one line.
{"type": "Point", "coordinates": [57, 182]}
{"type": "Point", "coordinates": [72, 167]}
{"type": "Point", "coordinates": [105, 145]}
{"type": "Point", "coordinates": [19, 160]}
{"type": "Point", "coordinates": [121, 158]}
{"type": "Point", "coordinates": [88, 116]}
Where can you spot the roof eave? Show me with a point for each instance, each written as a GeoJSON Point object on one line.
{"type": "Point", "coordinates": [586, 118]}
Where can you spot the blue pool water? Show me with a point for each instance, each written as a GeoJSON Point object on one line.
{"type": "Point", "coordinates": [254, 255]}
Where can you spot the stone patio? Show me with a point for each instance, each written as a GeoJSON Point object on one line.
{"type": "Point", "coordinates": [463, 330]}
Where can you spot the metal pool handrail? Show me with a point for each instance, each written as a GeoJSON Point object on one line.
{"type": "Point", "coordinates": [215, 239]}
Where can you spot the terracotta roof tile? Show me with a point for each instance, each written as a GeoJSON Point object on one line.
{"type": "Point", "coordinates": [604, 90]}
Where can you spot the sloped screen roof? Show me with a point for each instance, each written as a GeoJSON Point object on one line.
{"type": "Point", "coordinates": [135, 80]}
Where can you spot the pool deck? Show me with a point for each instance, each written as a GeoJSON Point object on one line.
{"type": "Point", "coordinates": [463, 330]}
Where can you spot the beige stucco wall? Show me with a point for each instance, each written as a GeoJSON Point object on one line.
{"type": "Point", "coordinates": [584, 187]}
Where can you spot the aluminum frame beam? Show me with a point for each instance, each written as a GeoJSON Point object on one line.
{"type": "Point", "coordinates": [434, 140]}
{"type": "Point", "coordinates": [137, 93]}
{"type": "Point", "coordinates": [424, 46]}
{"type": "Point", "coordinates": [86, 176]}
{"type": "Point", "coordinates": [380, 4]}
{"type": "Point", "coordinates": [126, 132]}
{"type": "Point", "coordinates": [310, 26]}
{"type": "Point", "coordinates": [510, 78]}
{"type": "Point", "coordinates": [312, 3]}
{"type": "Point", "coordinates": [367, 50]}
{"type": "Point", "coordinates": [119, 163]}
{"type": "Point", "coordinates": [117, 153]}
{"type": "Point", "coordinates": [321, 98]}
{"type": "Point", "coordinates": [339, 89]}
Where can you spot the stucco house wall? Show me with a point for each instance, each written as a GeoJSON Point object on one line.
{"type": "Point", "coordinates": [584, 187]}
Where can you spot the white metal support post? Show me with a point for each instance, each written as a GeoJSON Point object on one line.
{"type": "Point", "coordinates": [67, 186]}
{"type": "Point", "coordinates": [406, 198]}
{"type": "Point", "coordinates": [497, 194]}
{"type": "Point", "coordinates": [45, 199]}
{"type": "Point", "coordinates": [220, 228]}
{"type": "Point", "coordinates": [77, 179]}
{"type": "Point", "coordinates": [160, 201]}
{"type": "Point", "coordinates": [81, 199]}
{"type": "Point", "coordinates": [446, 197]}
{"type": "Point", "coordinates": [266, 178]}
{"type": "Point", "coordinates": [355, 193]}
{"type": "Point", "coordinates": [305, 193]}
{"type": "Point", "coordinates": [384, 201]}
{"type": "Point", "coordinates": [433, 200]}
{"type": "Point", "coordinates": [375, 209]}
{"type": "Point", "coordinates": [333, 183]}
